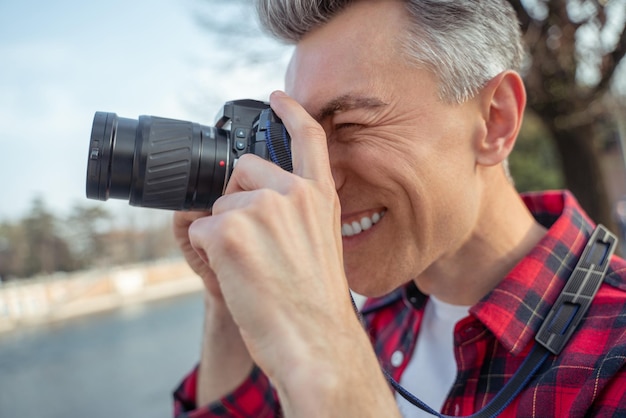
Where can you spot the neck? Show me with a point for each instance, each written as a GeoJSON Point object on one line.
{"type": "Point", "coordinates": [505, 233]}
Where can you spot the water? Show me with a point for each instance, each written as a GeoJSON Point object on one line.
{"type": "Point", "coordinates": [123, 363]}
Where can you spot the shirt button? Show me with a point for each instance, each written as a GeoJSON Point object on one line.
{"type": "Point", "coordinates": [396, 358]}
{"type": "Point", "coordinates": [469, 329]}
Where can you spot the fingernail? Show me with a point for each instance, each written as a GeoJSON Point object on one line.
{"type": "Point", "coordinates": [279, 93]}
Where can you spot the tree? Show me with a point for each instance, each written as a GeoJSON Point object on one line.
{"type": "Point", "coordinates": [244, 59]}
{"type": "Point", "coordinates": [13, 250]}
{"type": "Point", "coordinates": [236, 28]}
{"type": "Point", "coordinates": [576, 47]}
{"type": "Point", "coordinates": [85, 230]}
{"type": "Point", "coordinates": [535, 164]}
{"type": "Point", "coordinates": [33, 245]}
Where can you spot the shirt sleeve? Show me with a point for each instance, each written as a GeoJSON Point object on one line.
{"type": "Point", "coordinates": [255, 397]}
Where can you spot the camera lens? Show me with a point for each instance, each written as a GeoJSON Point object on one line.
{"type": "Point", "coordinates": [157, 162]}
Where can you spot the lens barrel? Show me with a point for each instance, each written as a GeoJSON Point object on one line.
{"type": "Point", "coordinates": [157, 162]}
{"type": "Point", "coordinates": [173, 164]}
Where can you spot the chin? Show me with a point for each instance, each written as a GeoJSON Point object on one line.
{"type": "Point", "coordinates": [370, 286]}
{"type": "Point", "coordinates": [377, 280]}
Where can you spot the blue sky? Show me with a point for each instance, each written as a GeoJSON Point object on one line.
{"type": "Point", "coordinates": [61, 61]}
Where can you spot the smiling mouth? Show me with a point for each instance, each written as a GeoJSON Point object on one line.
{"type": "Point", "coordinates": [357, 226]}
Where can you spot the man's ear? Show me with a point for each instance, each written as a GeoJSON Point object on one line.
{"type": "Point", "coordinates": [502, 103]}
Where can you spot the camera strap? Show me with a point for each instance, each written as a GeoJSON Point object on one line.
{"type": "Point", "coordinates": [559, 325]}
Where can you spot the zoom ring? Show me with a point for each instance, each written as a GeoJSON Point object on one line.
{"type": "Point", "coordinates": [168, 163]}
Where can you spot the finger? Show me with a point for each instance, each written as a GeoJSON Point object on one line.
{"type": "Point", "coordinates": [253, 172]}
{"type": "Point", "coordinates": [309, 147]}
{"type": "Point", "coordinates": [196, 259]}
{"type": "Point", "coordinates": [185, 218]}
{"type": "Point", "coordinates": [181, 222]}
{"type": "Point", "coordinates": [199, 238]}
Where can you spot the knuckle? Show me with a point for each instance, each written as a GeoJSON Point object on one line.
{"type": "Point", "coordinates": [304, 193]}
{"type": "Point", "coordinates": [266, 198]}
{"type": "Point", "coordinates": [229, 231]}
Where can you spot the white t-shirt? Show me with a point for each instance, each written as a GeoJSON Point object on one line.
{"type": "Point", "coordinates": [432, 369]}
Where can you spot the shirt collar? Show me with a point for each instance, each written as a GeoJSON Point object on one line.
{"type": "Point", "coordinates": [515, 309]}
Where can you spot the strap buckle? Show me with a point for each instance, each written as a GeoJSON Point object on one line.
{"type": "Point", "coordinates": [579, 291]}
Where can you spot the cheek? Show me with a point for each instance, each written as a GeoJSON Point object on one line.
{"type": "Point", "coordinates": [436, 194]}
{"type": "Point", "coordinates": [453, 209]}
{"type": "Point", "coordinates": [424, 179]}
{"type": "Point", "coordinates": [382, 170]}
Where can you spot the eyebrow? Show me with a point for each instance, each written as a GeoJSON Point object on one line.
{"type": "Point", "coordinates": [348, 102]}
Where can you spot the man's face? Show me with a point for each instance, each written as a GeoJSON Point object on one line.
{"type": "Point", "coordinates": [396, 150]}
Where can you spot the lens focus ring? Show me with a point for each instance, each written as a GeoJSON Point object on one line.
{"type": "Point", "coordinates": [163, 170]}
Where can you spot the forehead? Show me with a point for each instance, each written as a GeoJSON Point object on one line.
{"type": "Point", "coordinates": [354, 51]}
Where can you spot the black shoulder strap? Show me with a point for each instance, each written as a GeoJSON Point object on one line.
{"type": "Point", "coordinates": [562, 320]}
{"type": "Point", "coordinates": [579, 291]}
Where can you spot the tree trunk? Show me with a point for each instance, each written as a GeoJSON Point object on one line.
{"type": "Point", "coordinates": [581, 168]}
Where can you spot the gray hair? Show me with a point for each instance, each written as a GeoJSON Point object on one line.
{"type": "Point", "coordinates": [464, 42]}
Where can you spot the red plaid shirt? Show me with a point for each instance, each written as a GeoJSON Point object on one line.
{"type": "Point", "coordinates": [588, 378]}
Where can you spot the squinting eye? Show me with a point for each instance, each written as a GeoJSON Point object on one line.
{"type": "Point", "coordinates": [346, 126]}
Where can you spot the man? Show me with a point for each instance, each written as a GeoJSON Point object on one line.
{"type": "Point", "coordinates": [402, 115]}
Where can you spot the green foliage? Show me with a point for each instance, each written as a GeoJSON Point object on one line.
{"type": "Point", "coordinates": [534, 163]}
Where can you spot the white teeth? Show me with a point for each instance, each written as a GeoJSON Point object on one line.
{"type": "Point", "coordinates": [356, 227]}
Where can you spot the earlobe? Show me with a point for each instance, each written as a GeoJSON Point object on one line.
{"type": "Point", "coordinates": [502, 100]}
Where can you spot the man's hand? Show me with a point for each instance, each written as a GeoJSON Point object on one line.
{"type": "Point", "coordinates": [224, 361]}
{"type": "Point", "coordinates": [182, 222]}
{"type": "Point", "coordinates": [274, 245]}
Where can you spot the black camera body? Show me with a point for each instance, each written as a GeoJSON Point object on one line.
{"type": "Point", "coordinates": [172, 164]}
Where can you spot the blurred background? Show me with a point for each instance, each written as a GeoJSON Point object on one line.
{"type": "Point", "coordinates": [99, 316]}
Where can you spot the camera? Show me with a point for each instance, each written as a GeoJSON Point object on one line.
{"type": "Point", "coordinates": [173, 164]}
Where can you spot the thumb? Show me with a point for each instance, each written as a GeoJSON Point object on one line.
{"type": "Point", "coordinates": [309, 146]}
